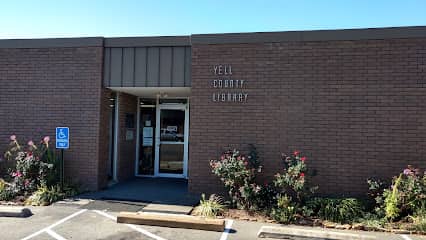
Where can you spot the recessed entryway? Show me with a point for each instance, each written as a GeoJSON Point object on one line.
{"type": "Point", "coordinates": [162, 143]}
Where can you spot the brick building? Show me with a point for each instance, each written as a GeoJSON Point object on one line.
{"type": "Point", "coordinates": [352, 100]}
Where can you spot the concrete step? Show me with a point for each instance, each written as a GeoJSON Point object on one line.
{"type": "Point", "coordinates": [166, 208]}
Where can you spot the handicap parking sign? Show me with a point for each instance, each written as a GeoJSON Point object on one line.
{"type": "Point", "coordinates": [62, 137]}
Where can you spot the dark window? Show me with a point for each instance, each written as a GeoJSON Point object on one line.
{"type": "Point", "coordinates": [130, 120]}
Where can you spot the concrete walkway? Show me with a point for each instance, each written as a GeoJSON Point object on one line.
{"type": "Point", "coordinates": [148, 190]}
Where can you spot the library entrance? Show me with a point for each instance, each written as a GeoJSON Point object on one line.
{"type": "Point", "coordinates": [162, 143]}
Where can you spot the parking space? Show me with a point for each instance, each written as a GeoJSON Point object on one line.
{"type": "Point", "coordinates": [71, 221]}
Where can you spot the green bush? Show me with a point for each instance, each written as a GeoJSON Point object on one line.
{"type": "Point", "coordinates": [419, 223]}
{"type": "Point", "coordinates": [285, 210]}
{"type": "Point", "coordinates": [292, 188]}
{"type": "Point", "coordinates": [211, 207]}
{"type": "Point", "coordinates": [341, 210]}
{"type": "Point", "coordinates": [376, 188]}
{"type": "Point", "coordinates": [5, 193]}
{"type": "Point", "coordinates": [2, 185]}
{"type": "Point", "coordinates": [371, 220]}
{"type": "Point", "coordinates": [45, 196]}
{"type": "Point", "coordinates": [391, 200]}
{"type": "Point", "coordinates": [293, 181]}
{"type": "Point", "coordinates": [405, 197]}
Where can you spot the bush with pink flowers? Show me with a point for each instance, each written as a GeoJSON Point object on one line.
{"type": "Point", "coordinates": [34, 167]}
{"type": "Point", "coordinates": [238, 173]}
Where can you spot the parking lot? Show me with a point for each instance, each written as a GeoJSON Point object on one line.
{"type": "Point", "coordinates": [98, 221]}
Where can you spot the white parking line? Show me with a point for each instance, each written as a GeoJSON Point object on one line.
{"type": "Point", "coordinates": [405, 237]}
{"type": "Point", "coordinates": [227, 229]}
{"type": "Point", "coordinates": [55, 235]}
{"type": "Point", "coordinates": [143, 231]}
{"type": "Point", "coordinates": [55, 224]}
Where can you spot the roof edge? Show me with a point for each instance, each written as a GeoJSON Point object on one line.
{"type": "Point", "coordinates": [52, 42]}
{"type": "Point", "coordinates": [222, 38]}
{"type": "Point", "coordinates": [312, 35]}
{"type": "Point", "coordinates": [148, 41]}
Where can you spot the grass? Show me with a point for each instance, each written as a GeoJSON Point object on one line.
{"type": "Point", "coordinates": [211, 207]}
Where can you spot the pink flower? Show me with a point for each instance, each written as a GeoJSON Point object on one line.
{"type": "Point", "coordinates": [295, 153]}
{"type": "Point", "coordinates": [302, 174]}
{"type": "Point", "coordinates": [245, 163]}
{"type": "Point", "coordinates": [407, 171]}
{"type": "Point", "coordinates": [17, 174]}
{"type": "Point", "coordinates": [13, 138]}
{"type": "Point", "coordinates": [46, 139]}
{"type": "Point", "coordinates": [302, 159]}
{"type": "Point", "coordinates": [26, 182]}
{"type": "Point", "coordinates": [30, 143]}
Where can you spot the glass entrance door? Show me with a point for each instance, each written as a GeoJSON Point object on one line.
{"type": "Point", "coordinates": [172, 140]}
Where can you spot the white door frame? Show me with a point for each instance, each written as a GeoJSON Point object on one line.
{"type": "Point", "coordinates": [171, 106]}
{"type": "Point", "coordinates": [159, 107]}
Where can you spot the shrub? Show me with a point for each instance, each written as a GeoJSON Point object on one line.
{"type": "Point", "coordinates": [45, 196]}
{"type": "Point", "coordinates": [419, 223]}
{"type": "Point", "coordinates": [285, 210]}
{"type": "Point", "coordinates": [210, 207]}
{"type": "Point", "coordinates": [341, 210]}
{"type": "Point", "coordinates": [238, 174]}
{"type": "Point", "coordinates": [5, 193]}
{"type": "Point", "coordinates": [293, 181]}
{"type": "Point", "coordinates": [372, 221]}
{"type": "Point", "coordinates": [291, 188]}
{"type": "Point", "coordinates": [35, 166]}
{"type": "Point", "coordinates": [391, 200]}
{"type": "Point", "coordinates": [266, 198]}
{"type": "Point", "coordinates": [2, 184]}
{"type": "Point", "coordinates": [406, 196]}
{"type": "Point", "coordinates": [375, 192]}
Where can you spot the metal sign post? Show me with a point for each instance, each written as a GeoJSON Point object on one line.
{"type": "Point", "coordinates": [62, 142]}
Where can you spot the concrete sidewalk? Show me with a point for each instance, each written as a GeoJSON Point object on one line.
{"type": "Point", "coordinates": [148, 190]}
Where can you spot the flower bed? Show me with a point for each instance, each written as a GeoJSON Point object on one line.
{"type": "Point", "coordinates": [399, 206]}
{"type": "Point", "coordinates": [34, 178]}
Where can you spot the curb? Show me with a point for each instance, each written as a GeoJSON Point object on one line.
{"type": "Point", "coordinates": [15, 212]}
{"type": "Point", "coordinates": [286, 232]}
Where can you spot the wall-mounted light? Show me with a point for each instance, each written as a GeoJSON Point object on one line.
{"type": "Point", "coordinates": [111, 102]}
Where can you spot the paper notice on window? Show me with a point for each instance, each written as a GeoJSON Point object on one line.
{"type": "Point", "coordinates": [147, 132]}
{"type": "Point", "coordinates": [147, 142]}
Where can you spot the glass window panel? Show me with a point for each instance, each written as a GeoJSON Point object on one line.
{"type": "Point", "coordinates": [171, 158]}
{"type": "Point", "coordinates": [147, 141]}
{"type": "Point", "coordinates": [172, 125]}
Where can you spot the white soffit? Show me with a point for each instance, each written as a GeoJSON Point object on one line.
{"type": "Point", "coordinates": [153, 92]}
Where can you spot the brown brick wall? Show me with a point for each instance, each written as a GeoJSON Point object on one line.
{"type": "Point", "coordinates": [127, 148]}
{"type": "Point", "coordinates": [104, 137]}
{"type": "Point", "coordinates": [41, 89]}
{"type": "Point", "coordinates": [355, 108]}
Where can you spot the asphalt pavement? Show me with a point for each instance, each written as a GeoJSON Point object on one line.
{"type": "Point", "coordinates": [96, 220]}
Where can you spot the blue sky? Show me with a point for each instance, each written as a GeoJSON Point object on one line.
{"type": "Point", "coordinates": [77, 18]}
